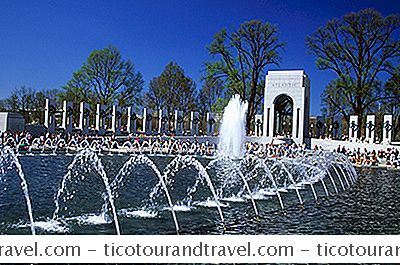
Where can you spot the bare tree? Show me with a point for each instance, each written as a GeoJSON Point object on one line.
{"type": "Point", "coordinates": [243, 56]}
{"type": "Point", "coordinates": [358, 47]}
{"type": "Point", "coordinates": [211, 91]}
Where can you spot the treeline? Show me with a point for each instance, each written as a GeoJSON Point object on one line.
{"type": "Point", "coordinates": [28, 102]}
{"type": "Point", "coordinates": [108, 79]}
{"type": "Point", "coordinates": [238, 65]}
{"type": "Point", "coordinates": [362, 49]}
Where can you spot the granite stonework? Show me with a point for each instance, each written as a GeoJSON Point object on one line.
{"type": "Point", "coordinates": [353, 128]}
{"type": "Point", "coordinates": [13, 122]}
{"type": "Point", "coordinates": [370, 129]}
{"type": "Point", "coordinates": [296, 85]}
{"type": "Point", "coordinates": [387, 129]}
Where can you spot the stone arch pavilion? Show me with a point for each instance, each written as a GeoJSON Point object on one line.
{"type": "Point", "coordinates": [286, 105]}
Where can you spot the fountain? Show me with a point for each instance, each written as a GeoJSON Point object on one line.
{"type": "Point", "coordinates": [189, 187]}
{"type": "Point", "coordinates": [85, 160]}
{"type": "Point", "coordinates": [232, 131]}
{"type": "Point", "coordinates": [8, 160]}
{"type": "Point", "coordinates": [129, 166]}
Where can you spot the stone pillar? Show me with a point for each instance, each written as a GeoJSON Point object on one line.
{"type": "Point", "coordinates": [131, 122]}
{"type": "Point", "coordinates": [387, 129]}
{"type": "Point", "coordinates": [178, 122]}
{"type": "Point", "coordinates": [370, 129]}
{"type": "Point", "coordinates": [210, 124]}
{"type": "Point", "coordinates": [50, 116]}
{"type": "Point", "coordinates": [162, 121]}
{"type": "Point", "coordinates": [67, 116]}
{"type": "Point", "coordinates": [116, 120]}
{"type": "Point", "coordinates": [258, 125]}
{"type": "Point", "coordinates": [84, 115]}
{"type": "Point", "coordinates": [194, 123]}
{"type": "Point", "coordinates": [353, 128]}
{"type": "Point", "coordinates": [147, 121]}
{"type": "Point", "coordinates": [320, 127]}
{"type": "Point", "coordinates": [101, 115]}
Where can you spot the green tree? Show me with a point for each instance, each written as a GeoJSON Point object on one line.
{"type": "Point", "coordinates": [105, 78]}
{"type": "Point", "coordinates": [358, 47]}
{"type": "Point", "coordinates": [219, 105]}
{"type": "Point", "coordinates": [172, 90]}
{"type": "Point", "coordinates": [243, 56]}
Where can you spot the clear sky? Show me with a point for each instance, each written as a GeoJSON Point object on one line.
{"type": "Point", "coordinates": [43, 42]}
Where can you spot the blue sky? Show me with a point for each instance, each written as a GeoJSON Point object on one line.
{"type": "Point", "coordinates": [43, 42]}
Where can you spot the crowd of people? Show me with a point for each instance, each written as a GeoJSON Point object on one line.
{"type": "Point", "coordinates": [194, 146]}
{"type": "Point", "coordinates": [389, 157]}
{"type": "Point", "coordinates": [274, 151]}
{"type": "Point", "coordinates": [24, 141]}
